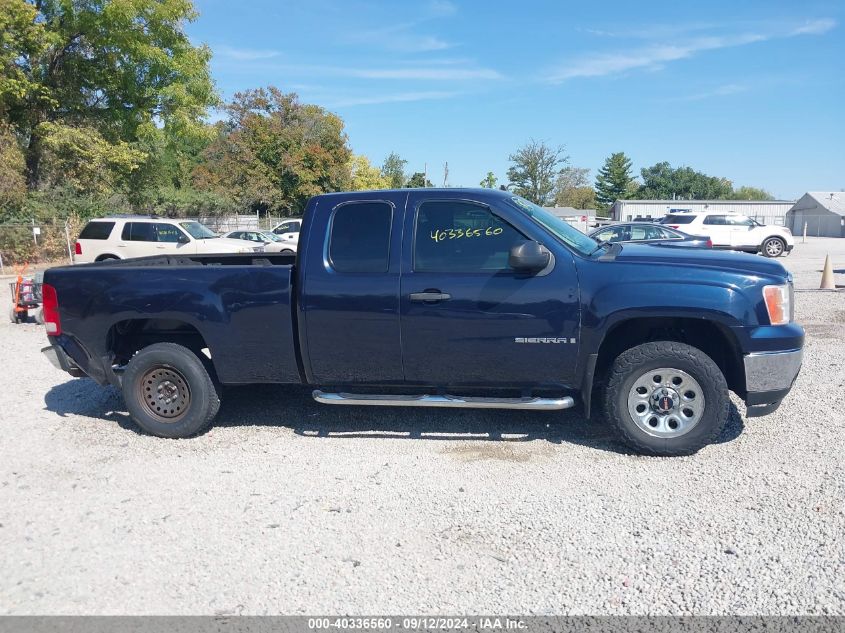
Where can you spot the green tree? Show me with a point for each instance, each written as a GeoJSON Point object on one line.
{"type": "Point", "coordinates": [663, 182]}
{"type": "Point", "coordinates": [418, 180]}
{"type": "Point", "coordinates": [751, 193]}
{"type": "Point", "coordinates": [366, 176]}
{"type": "Point", "coordinates": [125, 68]}
{"type": "Point", "coordinates": [12, 181]}
{"type": "Point", "coordinates": [273, 152]}
{"type": "Point", "coordinates": [614, 181]}
{"type": "Point", "coordinates": [489, 181]}
{"type": "Point", "coordinates": [534, 170]}
{"type": "Point", "coordinates": [393, 170]}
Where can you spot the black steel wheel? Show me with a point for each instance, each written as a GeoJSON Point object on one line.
{"type": "Point", "coordinates": [169, 391]}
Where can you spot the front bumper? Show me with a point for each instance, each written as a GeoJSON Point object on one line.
{"type": "Point", "coordinates": [60, 360]}
{"type": "Point", "coordinates": [769, 376]}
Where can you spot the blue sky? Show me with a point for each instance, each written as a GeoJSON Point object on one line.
{"type": "Point", "coordinates": [752, 91]}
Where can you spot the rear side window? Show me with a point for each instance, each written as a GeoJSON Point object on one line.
{"type": "Point", "coordinates": [360, 237]}
{"type": "Point", "coordinates": [678, 219]}
{"type": "Point", "coordinates": [96, 231]}
{"type": "Point", "coordinates": [138, 232]}
{"type": "Point", "coordinates": [457, 236]}
{"type": "Point", "coordinates": [715, 220]}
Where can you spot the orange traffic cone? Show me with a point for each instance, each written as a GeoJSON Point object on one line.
{"type": "Point", "coordinates": [827, 276]}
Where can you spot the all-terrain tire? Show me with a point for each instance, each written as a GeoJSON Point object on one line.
{"type": "Point", "coordinates": [169, 392]}
{"type": "Point", "coordinates": [633, 364]}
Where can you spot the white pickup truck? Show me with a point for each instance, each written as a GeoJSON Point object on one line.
{"type": "Point", "coordinates": [734, 231]}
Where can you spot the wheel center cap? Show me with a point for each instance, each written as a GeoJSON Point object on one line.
{"type": "Point", "coordinates": [664, 399]}
{"type": "Point", "coordinates": [167, 390]}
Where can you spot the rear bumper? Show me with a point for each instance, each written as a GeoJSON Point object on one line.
{"type": "Point", "coordinates": [769, 377]}
{"type": "Point", "coordinates": [60, 360]}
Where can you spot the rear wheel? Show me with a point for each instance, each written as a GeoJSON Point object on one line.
{"type": "Point", "coordinates": [169, 391]}
{"type": "Point", "coordinates": [666, 398]}
{"type": "Point", "coordinates": [773, 247]}
{"type": "Point", "coordinates": [287, 251]}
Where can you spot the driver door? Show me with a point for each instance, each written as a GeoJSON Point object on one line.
{"type": "Point", "coordinates": [467, 318]}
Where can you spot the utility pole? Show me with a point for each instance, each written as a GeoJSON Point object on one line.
{"type": "Point", "coordinates": [425, 174]}
{"type": "Point", "coordinates": [445, 173]}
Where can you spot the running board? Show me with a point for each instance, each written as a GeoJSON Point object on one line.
{"type": "Point", "coordinates": [466, 402]}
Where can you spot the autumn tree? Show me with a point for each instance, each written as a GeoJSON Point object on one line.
{"type": "Point", "coordinates": [534, 170]}
{"type": "Point", "coordinates": [365, 176]}
{"type": "Point", "coordinates": [273, 152]}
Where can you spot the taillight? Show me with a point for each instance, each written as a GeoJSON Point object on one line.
{"type": "Point", "coordinates": [78, 249]}
{"type": "Point", "coordinates": [709, 243]}
{"type": "Point", "coordinates": [50, 310]}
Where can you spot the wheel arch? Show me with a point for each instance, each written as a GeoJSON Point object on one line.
{"type": "Point", "coordinates": [711, 336]}
{"type": "Point", "coordinates": [126, 337]}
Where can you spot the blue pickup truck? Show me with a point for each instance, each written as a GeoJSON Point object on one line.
{"type": "Point", "coordinates": [439, 298]}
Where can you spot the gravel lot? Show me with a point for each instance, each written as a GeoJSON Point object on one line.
{"type": "Point", "coordinates": [290, 507]}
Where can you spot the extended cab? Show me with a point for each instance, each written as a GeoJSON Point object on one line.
{"type": "Point", "coordinates": [441, 298]}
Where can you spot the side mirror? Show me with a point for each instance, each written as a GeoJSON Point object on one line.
{"type": "Point", "coordinates": [529, 256]}
{"type": "Point", "coordinates": [183, 239]}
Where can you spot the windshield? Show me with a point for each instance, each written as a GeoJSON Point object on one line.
{"type": "Point", "coordinates": [198, 231]}
{"type": "Point", "coordinates": [564, 231]}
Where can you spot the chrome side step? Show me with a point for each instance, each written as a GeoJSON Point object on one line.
{"type": "Point", "coordinates": [467, 402]}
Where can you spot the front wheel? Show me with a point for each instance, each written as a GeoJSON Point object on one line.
{"type": "Point", "coordinates": [666, 398]}
{"type": "Point", "coordinates": [773, 247]}
{"type": "Point", "coordinates": [169, 391]}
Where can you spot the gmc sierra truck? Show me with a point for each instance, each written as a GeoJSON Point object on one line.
{"type": "Point", "coordinates": [439, 298]}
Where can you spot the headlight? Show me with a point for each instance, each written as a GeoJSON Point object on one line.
{"type": "Point", "coordinates": [778, 303]}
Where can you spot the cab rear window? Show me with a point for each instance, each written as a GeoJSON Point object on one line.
{"type": "Point", "coordinates": [678, 219]}
{"type": "Point", "coordinates": [96, 231]}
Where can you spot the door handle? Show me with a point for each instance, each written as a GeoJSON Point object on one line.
{"type": "Point", "coordinates": [430, 296]}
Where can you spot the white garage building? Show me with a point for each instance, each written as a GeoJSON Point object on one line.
{"type": "Point", "coordinates": [765, 211]}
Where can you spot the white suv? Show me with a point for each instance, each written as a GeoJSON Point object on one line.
{"type": "Point", "coordinates": [734, 231]}
{"type": "Point", "coordinates": [139, 236]}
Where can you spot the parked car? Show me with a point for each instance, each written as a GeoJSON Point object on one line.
{"type": "Point", "coordinates": [272, 243]}
{"type": "Point", "coordinates": [288, 230]}
{"type": "Point", "coordinates": [400, 297]}
{"type": "Point", "coordinates": [734, 231]}
{"type": "Point", "coordinates": [139, 236]}
{"type": "Point", "coordinates": [649, 234]}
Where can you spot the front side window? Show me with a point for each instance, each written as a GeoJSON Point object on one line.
{"type": "Point", "coordinates": [168, 233]}
{"type": "Point", "coordinates": [645, 232]}
{"type": "Point", "coordinates": [740, 220]}
{"type": "Point", "coordinates": [457, 236]}
{"type": "Point", "coordinates": [359, 240]}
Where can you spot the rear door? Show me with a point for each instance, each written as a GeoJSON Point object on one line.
{"type": "Point", "coordinates": [137, 239]}
{"type": "Point", "coordinates": [350, 296]}
{"type": "Point", "coordinates": [468, 319]}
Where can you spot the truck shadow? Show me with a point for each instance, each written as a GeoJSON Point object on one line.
{"type": "Point", "coordinates": [293, 408]}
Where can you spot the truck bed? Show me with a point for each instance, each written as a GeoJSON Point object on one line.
{"type": "Point", "coordinates": [238, 307]}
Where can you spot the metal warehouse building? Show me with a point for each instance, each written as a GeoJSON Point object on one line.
{"type": "Point", "coordinates": [765, 211]}
{"type": "Point", "coordinates": [822, 211]}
